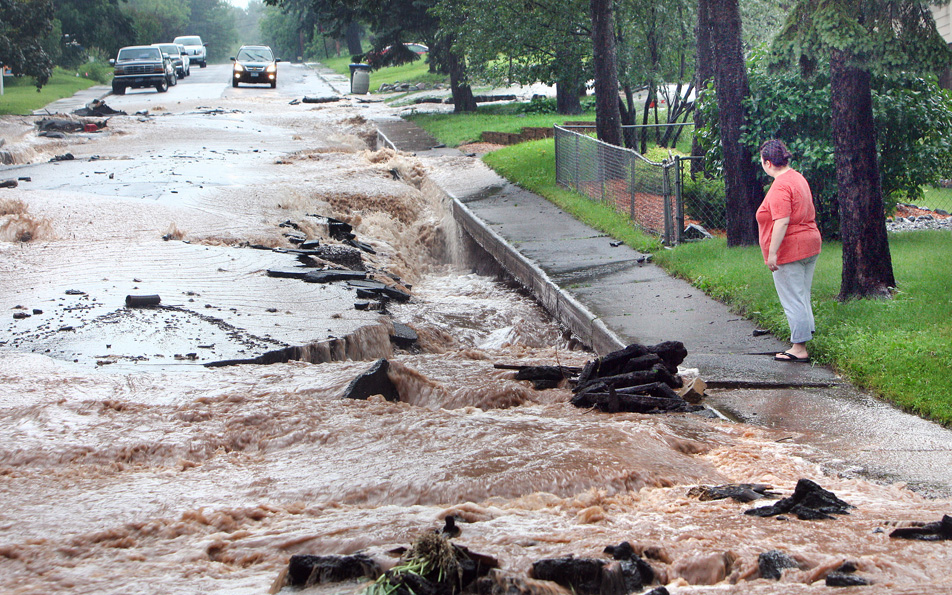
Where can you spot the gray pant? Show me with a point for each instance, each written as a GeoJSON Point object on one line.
{"type": "Point", "coordinates": [794, 281]}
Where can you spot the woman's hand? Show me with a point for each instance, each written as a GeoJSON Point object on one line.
{"type": "Point", "coordinates": [776, 237]}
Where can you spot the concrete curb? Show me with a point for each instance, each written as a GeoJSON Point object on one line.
{"type": "Point", "coordinates": [560, 304]}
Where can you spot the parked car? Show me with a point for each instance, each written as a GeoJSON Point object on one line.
{"type": "Point", "coordinates": [179, 61]}
{"type": "Point", "coordinates": [141, 66]}
{"type": "Point", "coordinates": [255, 64]}
{"type": "Point", "coordinates": [194, 48]}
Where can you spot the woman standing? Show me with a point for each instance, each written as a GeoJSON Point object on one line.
{"type": "Point", "coordinates": [790, 241]}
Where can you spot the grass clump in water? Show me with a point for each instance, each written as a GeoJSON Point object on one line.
{"type": "Point", "coordinates": [430, 564]}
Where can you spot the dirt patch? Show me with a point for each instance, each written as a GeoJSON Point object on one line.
{"type": "Point", "coordinates": [914, 211]}
{"type": "Point", "coordinates": [480, 148]}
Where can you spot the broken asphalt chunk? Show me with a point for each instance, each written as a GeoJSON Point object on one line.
{"type": "Point", "coordinates": [808, 502]}
{"type": "Point", "coordinates": [772, 564]}
{"type": "Point", "coordinates": [304, 570]}
{"type": "Point", "coordinates": [298, 273]}
{"type": "Point", "coordinates": [369, 289]}
{"type": "Point", "coordinates": [329, 276]}
{"type": "Point", "coordinates": [374, 381]}
{"type": "Point", "coordinates": [935, 531]}
{"type": "Point", "coordinates": [741, 492]}
{"type": "Point", "coordinates": [403, 336]}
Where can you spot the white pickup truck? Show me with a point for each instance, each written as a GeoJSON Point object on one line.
{"type": "Point", "coordinates": [194, 48]}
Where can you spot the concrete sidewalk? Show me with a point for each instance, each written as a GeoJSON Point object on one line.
{"type": "Point", "coordinates": [608, 298]}
{"type": "Point", "coordinates": [66, 105]}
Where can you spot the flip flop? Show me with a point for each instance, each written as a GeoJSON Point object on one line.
{"type": "Point", "coordinates": [789, 357]}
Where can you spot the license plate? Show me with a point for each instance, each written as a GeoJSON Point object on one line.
{"type": "Point", "coordinates": [254, 75]}
{"type": "Point", "coordinates": [138, 79]}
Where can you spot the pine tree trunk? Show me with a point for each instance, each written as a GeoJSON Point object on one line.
{"type": "Point", "coordinates": [607, 115]}
{"type": "Point", "coordinates": [352, 37]}
{"type": "Point", "coordinates": [571, 84]}
{"type": "Point", "coordinates": [703, 72]}
{"type": "Point", "coordinates": [567, 99]}
{"type": "Point", "coordinates": [867, 264]}
{"type": "Point", "coordinates": [463, 100]}
{"type": "Point", "coordinates": [744, 192]}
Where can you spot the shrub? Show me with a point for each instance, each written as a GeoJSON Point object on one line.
{"type": "Point", "coordinates": [705, 201]}
{"type": "Point", "coordinates": [100, 72]}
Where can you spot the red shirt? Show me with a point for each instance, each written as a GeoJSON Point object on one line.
{"type": "Point", "coordinates": [790, 196]}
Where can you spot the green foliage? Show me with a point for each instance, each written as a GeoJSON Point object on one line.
{"type": "Point", "coordinates": [101, 72]}
{"type": "Point", "coordinates": [547, 105]}
{"type": "Point", "coordinates": [884, 37]}
{"type": "Point", "coordinates": [900, 348]}
{"type": "Point", "coordinates": [97, 27]}
{"type": "Point", "coordinates": [24, 25]}
{"type": "Point", "coordinates": [705, 201]}
{"type": "Point", "coordinates": [521, 42]}
{"type": "Point", "coordinates": [158, 21]}
{"type": "Point", "coordinates": [913, 116]}
{"type": "Point", "coordinates": [214, 22]}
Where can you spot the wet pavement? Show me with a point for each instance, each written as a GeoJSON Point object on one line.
{"type": "Point", "coordinates": [175, 207]}
{"type": "Point", "coordinates": [609, 299]}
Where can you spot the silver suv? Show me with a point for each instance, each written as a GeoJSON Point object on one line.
{"type": "Point", "coordinates": [194, 48]}
{"type": "Point", "coordinates": [179, 60]}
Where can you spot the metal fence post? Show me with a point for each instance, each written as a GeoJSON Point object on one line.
{"type": "Point", "coordinates": [578, 161]}
{"type": "Point", "coordinates": [679, 199]}
{"type": "Point", "coordinates": [666, 199]}
{"type": "Point", "coordinates": [631, 187]}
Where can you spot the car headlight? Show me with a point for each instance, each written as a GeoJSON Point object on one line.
{"type": "Point", "coordinates": [271, 68]}
{"type": "Point", "coordinates": [239, 67]}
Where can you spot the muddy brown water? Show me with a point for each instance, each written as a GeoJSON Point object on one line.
{"type": "Point", "coordinates": [125, 475]}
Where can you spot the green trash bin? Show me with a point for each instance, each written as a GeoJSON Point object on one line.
{"type": "Point", "coordinates": [359, 79]}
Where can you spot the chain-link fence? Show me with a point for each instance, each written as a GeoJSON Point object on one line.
{"type": "Point", "coordinates": [703, 199]}
{"type": "Point", "coordinates": [632, 185]}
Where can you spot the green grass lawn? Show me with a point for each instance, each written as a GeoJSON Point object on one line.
{"type": "Point", "coordinates": [415, 72]}
{"type": "Point", "coordinates": [21, 98]}
{"type": "Point", "coordinates": [936, 198]}
{"type": "Point", "coordinates": [457, 129]}
{"type": "Point", "coordinates": [900, 349]}
{"type": "Point", "coordinates": [532, 166]}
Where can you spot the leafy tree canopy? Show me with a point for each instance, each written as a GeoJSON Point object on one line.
{"type": "Point", "coordinates": [882, 36]}
{"type": "Point", "coordinates": [214, 21]}
{"type": "Point", "coordinates": [159, 21]}
{"type": "Point", "coordinates": [23, 25]}
{"type": "Point", "coordinates": [525, 42]}
{"type": "Point", "coordinates": [96, 26]}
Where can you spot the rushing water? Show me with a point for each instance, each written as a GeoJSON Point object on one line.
{"type": "Point", "coordinates": [195, 480]}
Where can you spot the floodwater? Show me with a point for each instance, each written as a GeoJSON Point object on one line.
{"type": "Point", "coordinates": [126, 470]}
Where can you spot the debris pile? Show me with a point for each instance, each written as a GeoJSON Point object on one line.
{"type": "Point", "coordinates": [432, 565]}
{"type": "Point", "coordinates": [638, 378]}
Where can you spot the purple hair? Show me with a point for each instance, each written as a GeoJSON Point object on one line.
{"type": "Point", "coordinates": [775, 152]}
